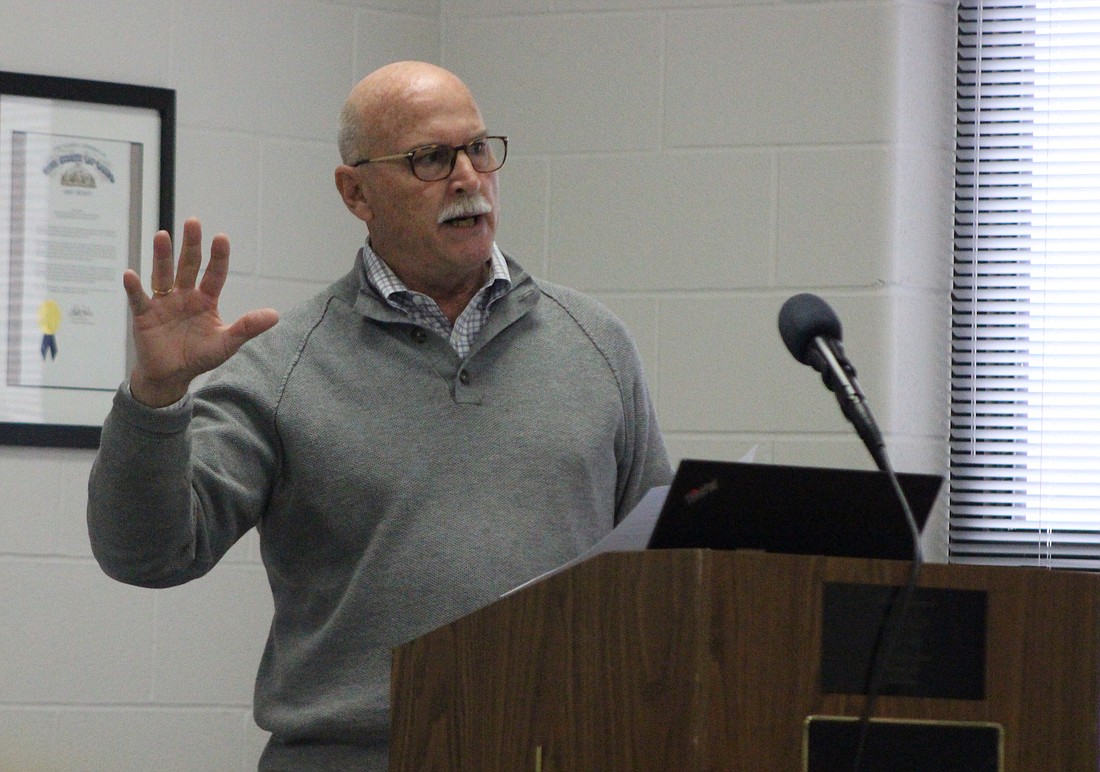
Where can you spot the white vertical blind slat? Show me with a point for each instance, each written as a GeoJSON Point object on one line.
{"type": "Point", "coordinates": [1025, 416]}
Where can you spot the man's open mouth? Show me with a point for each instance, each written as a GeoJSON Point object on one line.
{"type": "Point", "coordinates": [463, 222]}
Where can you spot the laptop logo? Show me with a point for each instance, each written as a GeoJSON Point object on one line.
{"type": "Point", "coordinates": [701, 492]}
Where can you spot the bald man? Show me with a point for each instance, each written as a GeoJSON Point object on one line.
{"type": "Point", "coordinates": [433, 429]}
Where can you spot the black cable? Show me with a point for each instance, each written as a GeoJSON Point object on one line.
{"type": "Point", "coordinates": [894, 620]}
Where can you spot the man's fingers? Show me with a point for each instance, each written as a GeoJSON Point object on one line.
{"type": "Point", "coordinates": [163, 269]}
{"type": "Point", "coordinates": [252, 324]}
{"type": "Point", "coordinates": [135, 293]}
{"type": "Point", "coordinates": [187, 270]}
{"type": "Point", "coordinates": [217, 270]}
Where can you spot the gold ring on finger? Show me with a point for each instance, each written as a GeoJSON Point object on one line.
{"type": "Point", "coordinates": [161, 293]}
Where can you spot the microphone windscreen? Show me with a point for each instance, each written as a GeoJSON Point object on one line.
{"type": "Point", "coordinates": [805, 317]}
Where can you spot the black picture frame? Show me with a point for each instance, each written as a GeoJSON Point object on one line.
{"type": "Point", "coordinates": [43, 255]}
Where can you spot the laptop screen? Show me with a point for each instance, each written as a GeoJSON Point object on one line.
{"type": "Point", "coordinates": [791, 509]}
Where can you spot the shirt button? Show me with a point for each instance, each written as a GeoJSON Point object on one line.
{"type": "Point", "coordinates": [464, 378]}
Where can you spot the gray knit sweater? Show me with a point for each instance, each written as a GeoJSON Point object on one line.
{"type": "Point", "coordinates": [394, 485]}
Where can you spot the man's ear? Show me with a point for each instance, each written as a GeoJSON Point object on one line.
{"type": "Point", "coordinates": [351, 190]}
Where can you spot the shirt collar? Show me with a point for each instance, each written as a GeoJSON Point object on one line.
{"type": "Point", "coordinates": [387, 284]}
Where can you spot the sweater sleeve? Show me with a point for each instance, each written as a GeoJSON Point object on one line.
{"type": "Point", "coordinates": [159, 509]}
{"type": "Point", "coordinates": [643, 461]}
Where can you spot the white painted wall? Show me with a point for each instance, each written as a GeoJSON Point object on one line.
{"type": "Point", "coordinates": [690, 162]}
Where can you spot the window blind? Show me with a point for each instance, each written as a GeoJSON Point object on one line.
{"type": "Point", "coordinates": [1025, 370]}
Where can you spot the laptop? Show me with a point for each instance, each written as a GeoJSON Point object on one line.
{"type": "Point", "coordinates": [791, 509]}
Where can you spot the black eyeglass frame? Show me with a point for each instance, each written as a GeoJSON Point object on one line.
{"type": "Point", "coordinates": [408, 156]}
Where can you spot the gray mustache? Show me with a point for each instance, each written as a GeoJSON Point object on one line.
{"type": "Point", "coordinates": [467, 206]}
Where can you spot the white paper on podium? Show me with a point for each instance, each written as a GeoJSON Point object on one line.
{"type": "Point", "coordinates": [631, 535]}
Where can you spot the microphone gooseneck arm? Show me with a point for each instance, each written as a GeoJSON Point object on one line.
{"type": "Point", "coordinates": [827, 357]}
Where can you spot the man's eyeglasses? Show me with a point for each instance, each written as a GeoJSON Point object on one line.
{"type": "Point", "coordinates": [436, 162]}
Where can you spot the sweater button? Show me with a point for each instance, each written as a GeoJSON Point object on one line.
{"type": "Point", "coordinates": [419, 336]}
{"type": "Point", "coordinates": [464, 378]}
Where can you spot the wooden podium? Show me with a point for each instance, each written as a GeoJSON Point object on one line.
{"type": "Point", "coordinates": [709, 660]}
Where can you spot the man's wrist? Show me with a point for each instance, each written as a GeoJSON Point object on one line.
{"type": "Point", "coordinates": [153, 397]}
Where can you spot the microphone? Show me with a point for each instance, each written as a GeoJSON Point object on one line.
{"type": "Point", "coordinates": [812, 333]}
{"type": "Point", "coordinates": [811, 330]}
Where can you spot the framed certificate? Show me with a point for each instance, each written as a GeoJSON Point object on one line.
{"type": "Point", "coordinates": [86, 179]}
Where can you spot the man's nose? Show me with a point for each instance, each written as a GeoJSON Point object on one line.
{"type": "Point", "coordinates": [465, 177]}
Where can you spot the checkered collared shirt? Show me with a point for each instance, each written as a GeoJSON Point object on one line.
{"type": "Point", "coordinates": [425, 312]}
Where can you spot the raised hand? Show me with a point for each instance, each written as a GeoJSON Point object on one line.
{"type": "Point", "coordinates": [178, 332]}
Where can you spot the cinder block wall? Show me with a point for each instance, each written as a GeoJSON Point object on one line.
{"type": "Point", "coordinates": [690, 163]}
{"type": "Point", "coordinates": [693, 164]}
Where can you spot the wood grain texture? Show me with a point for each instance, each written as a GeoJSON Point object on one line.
{"type": "Point", "coordinates": [702, 660]}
